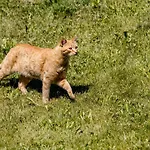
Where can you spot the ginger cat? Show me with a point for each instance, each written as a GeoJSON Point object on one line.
{"type": "Point", "coordinates": [48, 65]}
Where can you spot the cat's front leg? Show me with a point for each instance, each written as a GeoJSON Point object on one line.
{"type": "Point", "coordinates": [65, 85]}
{"type": "Point", "coordinates": [45, 89]}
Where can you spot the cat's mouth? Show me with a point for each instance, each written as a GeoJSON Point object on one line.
{"type": "Point", "coordinates": [74, 52]}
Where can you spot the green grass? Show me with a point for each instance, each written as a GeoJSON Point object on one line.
{"type": "Point", "coordinates": [110, 76]}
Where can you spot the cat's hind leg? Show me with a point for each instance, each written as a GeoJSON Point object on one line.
{"type": "Point", "coordinates": [6, 65]}
{"type": "Point", "coordinates": [4, 72]}
{"type": "Point", "coordinates": [2, 75]}
{"type": "Point", "coordinates": [23, 82]}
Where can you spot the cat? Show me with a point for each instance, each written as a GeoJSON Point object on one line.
{"type": "Point", "coordinates": [48, 65]}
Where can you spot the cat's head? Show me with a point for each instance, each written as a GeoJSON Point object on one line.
{"type": "Point", "coordinates": [69, 47]}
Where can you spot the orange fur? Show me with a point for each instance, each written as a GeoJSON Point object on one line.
{"type": "Point", "coordinates": [48, 65]}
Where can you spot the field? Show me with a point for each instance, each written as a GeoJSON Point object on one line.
{"type": "Point", "coordinates": [110, 76]}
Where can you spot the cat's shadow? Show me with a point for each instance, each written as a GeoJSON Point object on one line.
{"type": "Point", "coordinates": [55, 91]}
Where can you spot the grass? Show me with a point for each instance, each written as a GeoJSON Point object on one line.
{"type": "Point", "coordinates": [110, 76]}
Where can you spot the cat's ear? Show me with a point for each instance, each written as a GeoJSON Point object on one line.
{"type": "Point", "coordinates": [63, 42]}
{"type": "Point", "coordinates": [75, 38]}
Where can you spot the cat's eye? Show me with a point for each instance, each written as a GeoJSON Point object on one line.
{"type": "Point", "coordinates": [70, 48]}
{"type": "Point", "coordinates": [76, 47]}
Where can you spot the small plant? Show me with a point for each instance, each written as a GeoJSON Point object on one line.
{"type": "Point", "coordinates": [95, 3]}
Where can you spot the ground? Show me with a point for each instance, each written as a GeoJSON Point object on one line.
{"type": "Point", "coordinates": [110, 76]}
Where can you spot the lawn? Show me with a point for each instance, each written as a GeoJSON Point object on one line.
{"type": "Point", "coordinates": [110, 76]}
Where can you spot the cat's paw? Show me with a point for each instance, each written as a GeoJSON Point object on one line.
{"type": "Point", "coordinates": [72, 97]}
{"type": "Point", "coordinates": [45, 101]}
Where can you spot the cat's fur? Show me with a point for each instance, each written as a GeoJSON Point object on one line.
{"type": "Point", "coordinates": [48, 65]}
